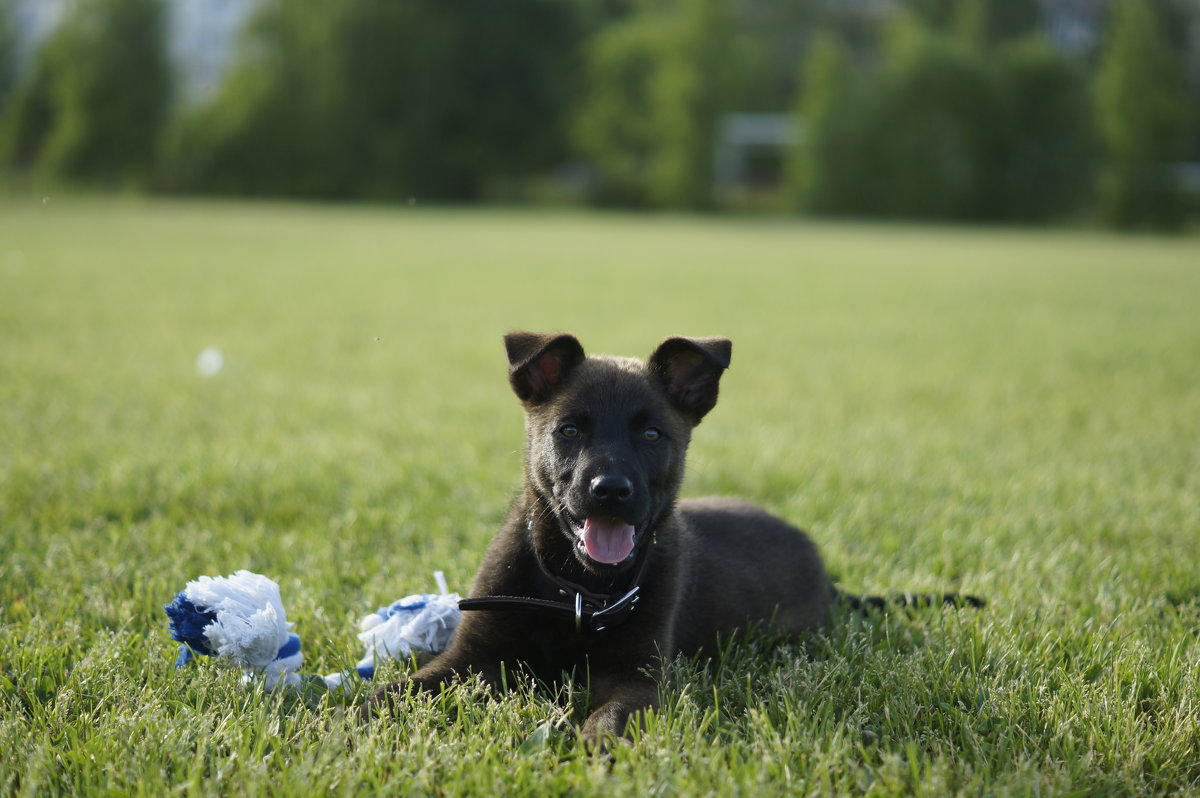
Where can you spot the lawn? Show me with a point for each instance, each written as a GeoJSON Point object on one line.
{"type": "Point", "coordinates": [1007, 412]}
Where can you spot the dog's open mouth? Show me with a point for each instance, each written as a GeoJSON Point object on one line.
{"type": "Point", "coordinates": [606, 540]}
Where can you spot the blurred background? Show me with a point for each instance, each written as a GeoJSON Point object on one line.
{"type": "Point", "coordinates": [982, 110]}
{"type": "Point", "coordinates": [1001, 399]}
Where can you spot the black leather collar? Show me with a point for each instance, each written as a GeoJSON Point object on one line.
{"type": "Point", "coordinates": [591, 612]}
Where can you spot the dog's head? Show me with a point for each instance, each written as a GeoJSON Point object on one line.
{"type": "Point", "coordinates": [607, 436]}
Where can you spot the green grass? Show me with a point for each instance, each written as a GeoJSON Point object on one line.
{"type": "Point", "coordinates": [1010, 413]}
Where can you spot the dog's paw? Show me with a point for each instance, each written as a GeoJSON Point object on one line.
{"type": "Point", "coordinates": [382, 701]}
{"type": "Point", "coordinates": [601, 746]}
{"type": "Point", "coordinates": [605, 729]}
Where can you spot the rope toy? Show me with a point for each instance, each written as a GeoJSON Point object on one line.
{"type": "Point", "coordinates": [240, 618]}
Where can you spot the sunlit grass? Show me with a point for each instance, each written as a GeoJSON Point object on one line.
{"type": "Point", "coordinates": [1011, 413]}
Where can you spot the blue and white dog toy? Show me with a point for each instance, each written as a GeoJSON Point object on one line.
{"type": "Point", "coordinates": [240, 618]}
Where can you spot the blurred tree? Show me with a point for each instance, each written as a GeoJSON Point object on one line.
{"type": "Point", "coordinates": [615, 127]}
{"type": "Point", "coordinates": [781, 34]}
{"type": "Point", "coordinates": [937, 14]}
{"type": "Point", "coordinates": [594, 15]}
{"type": "Point", "coordinates": [981, 22]}
{"type": "Point", "coordinates": [657, 84]}
{"type": "Point", "coordinates": [385, 99]}
{"type": "Point", "coordinates": [269, 129]}
{"type": "Point", "coordinates": [8, 54]}
{"type": "Point", "coordinates": [940, 126]}
{"type": "Point", "coordinates": [923, 139]}
{"type": "Point", "coordinates": [27, 119]}
{"type": "Point", "coordinates": [27, 113]}
{"type": "Point", "coordinates": [703, 67]}
{"type": "Point", "coordinates": [92, 105]}
{"type": "Point", "coordinates": [825, 78]}
{"type": "Point", "coordinates": [1051, 148]}
{"type": "Point", "coordinates": [946, 128]}
{"type": "Point", "coordinates": [480, 90]}
{"type": "Point", "coordinates": [1144, 118]}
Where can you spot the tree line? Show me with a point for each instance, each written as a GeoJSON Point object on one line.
{"type": "Point", "coordinates": [937, 109]}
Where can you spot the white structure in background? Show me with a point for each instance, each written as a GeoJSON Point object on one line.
{"type": "Point", "coordinates": [751, 149]}
{"type": "Point", "coordinates": [202, 37]}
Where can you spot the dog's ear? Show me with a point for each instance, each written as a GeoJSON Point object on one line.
{"type": "Point", "coordinates": [689, 370]}
{"type": "Point", "coordinates": [539, 362]}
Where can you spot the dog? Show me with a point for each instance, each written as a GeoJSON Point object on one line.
{"type": "Point", "coordinates": [600, 570]}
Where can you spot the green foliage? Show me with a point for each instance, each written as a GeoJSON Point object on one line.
{"type": "Point", "coordinates": [269, 130]}
{"type": "Point", "coordinates": [91, 107]}
{"type": "Point", "coordinates": [28, 118]}
{"type": "Point", "coordinates": [616, 127]}
{"type": "Point", "coordinates": [980, 22]}
{"type": "Point", "coordinates": [479, 94]}
{"type": "Point", "coordinates": [8, 63]}
{"type": "Point", "coordinates": [825, 78]}
{"type": "Point", "coordinates": [657, 83]}
{"type": "Point", "coordinates": [702, 66]}
{"type": "Point", "coordinates": [1051, 152]}
{"type": "Point", "coordinates": [1145, 119]}
{"type": "Point", "coordinates": [929, 108]}
{"type": "Point", "coordinates": [940, 14]}
{"type": "Point", "coordinates": [925, 139]}
{"type": "Point", "coordinates": [383, 99]}
{"type": "Point", "coordinates": [1009, 412]}
{"type": "Point", "coordinates": [945, 130]}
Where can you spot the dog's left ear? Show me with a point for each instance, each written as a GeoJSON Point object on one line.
{"type": "Point", "coordinates": [689, 370]}
{"type": "Point", "coordinates": [539, 362]}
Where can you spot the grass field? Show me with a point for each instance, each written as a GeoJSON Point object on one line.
{"type": "Point", "coordinates": [1011, 413]}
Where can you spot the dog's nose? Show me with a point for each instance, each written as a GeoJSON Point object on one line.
{"type": "Point", "coordinates": [612, 487]}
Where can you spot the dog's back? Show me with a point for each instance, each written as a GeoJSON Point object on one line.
{"type": "Point", "coordinates": [748, 568]}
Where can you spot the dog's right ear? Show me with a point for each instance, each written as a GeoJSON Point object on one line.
{"type": "Point", "coordinates": [689, 370]}
{"type": "Point", "coordinates": [539, 362]}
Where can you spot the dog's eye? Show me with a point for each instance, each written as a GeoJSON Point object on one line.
{"type": "Point", "coordinates": [652, 433]}
{"type": "Point", "coordinates": [569, 431]}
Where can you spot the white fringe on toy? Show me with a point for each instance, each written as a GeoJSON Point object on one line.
{"type": "Point", "coordinates": [240, 618]}
{"type": "Point", "coordinates": [413, 626]}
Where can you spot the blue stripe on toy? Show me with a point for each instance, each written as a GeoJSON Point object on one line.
{"type": "Point", "coordinates": [290, 647]}
{"type": "Point", "coordinates": [187, 623]}
{"type": "Point", "coordinates": [403, 605]}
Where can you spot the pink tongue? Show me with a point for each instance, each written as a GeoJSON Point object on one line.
{"type": "Point", "coordinates": [607, 540]}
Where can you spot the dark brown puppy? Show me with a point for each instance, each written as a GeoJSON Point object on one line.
{"type": "Point", "coordinates": [598, 570]}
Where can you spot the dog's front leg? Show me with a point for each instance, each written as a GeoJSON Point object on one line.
{"type": "Point", "coordinates": [431, 678]}
{"type": "Point", "coordinates": [476, 650]}
{"type": "Point", "coordinates": [619, 700]}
